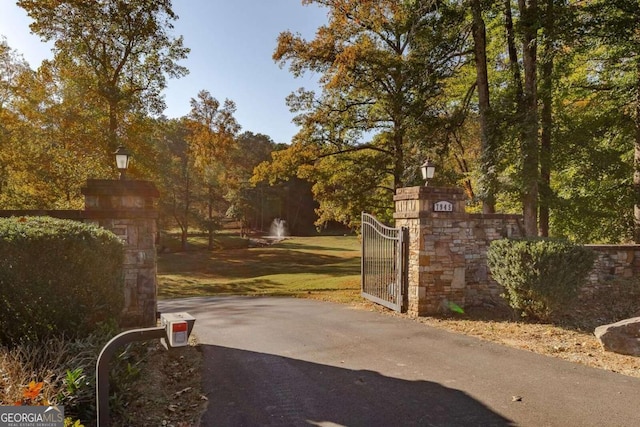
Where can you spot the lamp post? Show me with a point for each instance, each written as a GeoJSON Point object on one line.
{"type": "Point", "coordinates": [428, 169]}
{"type": "Point", "coordinates": [123, 157]}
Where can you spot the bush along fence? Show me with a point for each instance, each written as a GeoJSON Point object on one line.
{"type": "Point", "coordinates": [57, 277]}
{"type": "Point", "coordinates": [448, 252]}
{"type": "Point", "coordinates": [540, 277]}
{"type": "Point", "coordinates": [128, 209]}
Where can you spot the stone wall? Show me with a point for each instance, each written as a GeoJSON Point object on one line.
{"type": "Point", "coordinates": [612, 261]}
{"type": "Point", "coordinates": [448, 251]}
{"type": "Point", "coordinates": [448, 248]}
{"type": "Point", "coordinates": [434, 250]}
{"type": "Point", "coordinates": [481, 289]}
{"type": "Point", "coordinates": [127, 208]}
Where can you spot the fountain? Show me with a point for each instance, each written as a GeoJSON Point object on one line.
{"type": "Point", "coordinates": [278, 229]}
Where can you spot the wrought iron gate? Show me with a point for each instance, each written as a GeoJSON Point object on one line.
{"type": "Point", "coordinates": [384, 263]}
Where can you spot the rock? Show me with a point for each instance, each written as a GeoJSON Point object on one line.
{"type": "Point", "coordinates": [622, 337]}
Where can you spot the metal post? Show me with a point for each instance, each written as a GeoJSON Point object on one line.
{"type": "Point", "coordinates": [363, 253]}
{"type": "Point", "coordinates": [102, 366]}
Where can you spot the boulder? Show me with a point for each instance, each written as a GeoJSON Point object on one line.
{"type": "Point", "coordinates": [622, 337]}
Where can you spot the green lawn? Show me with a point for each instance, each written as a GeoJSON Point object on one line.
{"type": "Point", "coordinates": [324, 267]}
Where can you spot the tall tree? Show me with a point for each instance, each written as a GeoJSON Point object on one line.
{"type": "Point", "coordinates": [51, 146]}
{"type": "Point", "coordinates": [529, 23]}
{"type": "Point", "coordinates": [124, 47]}
{"type": "Point", "coordinates": [382, 65]}
{"type": "Point", "coordinates": [616, 25]}
{"type": "Point", "coordinates": [488, 134]}
{"type": "Point", "coordinates": [559, 32]}
{"type": "Point", "coordinates": [175, 175]}
{"type": "Point", "coordinates": [593, 159]}
{"type": "Point", "coordinates": [213, 140]}
{"type": "Point", "coordinates": [12, 67]}
{"type": "Point", "coordinates": [247, 201]}
{"type": "Point", "coordinates": [546, 99]}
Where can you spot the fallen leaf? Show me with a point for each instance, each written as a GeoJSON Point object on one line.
{"type": "Point", "coordinates": [33, 390]}
{"type": "Point", "coordinates": [181, 392]}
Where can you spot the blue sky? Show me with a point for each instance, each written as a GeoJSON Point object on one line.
{"type": "Point", "coordinates": [231, 45]}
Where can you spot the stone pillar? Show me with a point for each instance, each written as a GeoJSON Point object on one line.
{"type": "Point", "coordinates": [438, 233]}
{"type": "Point", "coordinates": [128, 209]}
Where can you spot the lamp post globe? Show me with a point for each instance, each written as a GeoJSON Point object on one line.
{"type": "Point", "coordinates": [428, 169]}
{"type": "Point", "coordinates": [123, 157]}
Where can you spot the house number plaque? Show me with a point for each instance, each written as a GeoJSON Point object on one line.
{"type": "Point", "coordinates": [443, 206]}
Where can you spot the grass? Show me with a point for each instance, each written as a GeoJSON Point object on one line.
{"type": "Point", "coordinates": [223, 239]}
{"type": "Point", "coordinates": [323, 267]}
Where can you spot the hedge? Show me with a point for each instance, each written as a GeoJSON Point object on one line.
{"type": "Point", "coordinates": [57, 277]}
{"type": "Point", "coordinates": [540, 276]}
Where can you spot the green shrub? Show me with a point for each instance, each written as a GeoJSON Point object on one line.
{"type": "Point", "coordinates": [540, 277]}
{"type": "Point", "coordinates": [57, 277]}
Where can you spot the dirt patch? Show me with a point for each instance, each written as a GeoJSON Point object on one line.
{"type": "Point", "coordinates": [169, 389]}
{"type": "Point", "coordinates": [573, 346]}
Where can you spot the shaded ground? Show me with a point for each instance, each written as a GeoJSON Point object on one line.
{"type": "Point", "coordinates": [286, 391]}
{"type": "Point", "coordinates": [284, 361]}
{"type": "Point", "coordinates": [168, 390]}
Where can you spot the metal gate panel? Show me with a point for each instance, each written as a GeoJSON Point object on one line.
{"type": "Point", "coordinates": [384, 263]}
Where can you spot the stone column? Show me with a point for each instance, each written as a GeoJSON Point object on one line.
{"type": "Point", "coordinates": [128, 209]}
{"type": "Point", "coordinates": [438, 232]}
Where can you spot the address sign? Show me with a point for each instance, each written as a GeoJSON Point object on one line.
{"type": "Point", "coordinates": [443, 206]}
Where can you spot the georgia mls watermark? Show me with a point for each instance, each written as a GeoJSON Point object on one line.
{"type": "Point", "coordinates": [31, 416]}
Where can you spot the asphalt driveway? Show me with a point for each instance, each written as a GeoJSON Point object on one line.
{"type": "Point", "coordinates": [297, 362]}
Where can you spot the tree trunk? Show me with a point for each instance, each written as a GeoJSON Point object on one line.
{"type": "Point", "coordinates": [181, 221]}
{"type": "Point", "coordinates": [636, 161]}
{"type": "Point", "coordinates": [113, 125]}
{"type": "Point", "coordinates": [487, 136]}
{"type": "Point", "coordinates": [210, 216]}
{"type": "Point", "coordinates": [526, 106]}
{"type": "Point", "coordinates": [546, 99]}
{"type": "Point", "coordinates": [513, 52]}
{"type": "Point", "coordinates": [398, 167]}
{"type": "Point", "coordinates": [187, 206]}
{"type": "Point", "coordinates": [529, 143]}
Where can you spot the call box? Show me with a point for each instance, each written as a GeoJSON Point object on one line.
{"type": "Point", "coordinates": [178, 327]}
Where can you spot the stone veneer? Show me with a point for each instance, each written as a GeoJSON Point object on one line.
{"type": "Point", "coordinates": [448, 251]}
{"type": "Point", "coordinates": [612, 261]}
{"type": "Point", "coordinates": [128, 209]}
